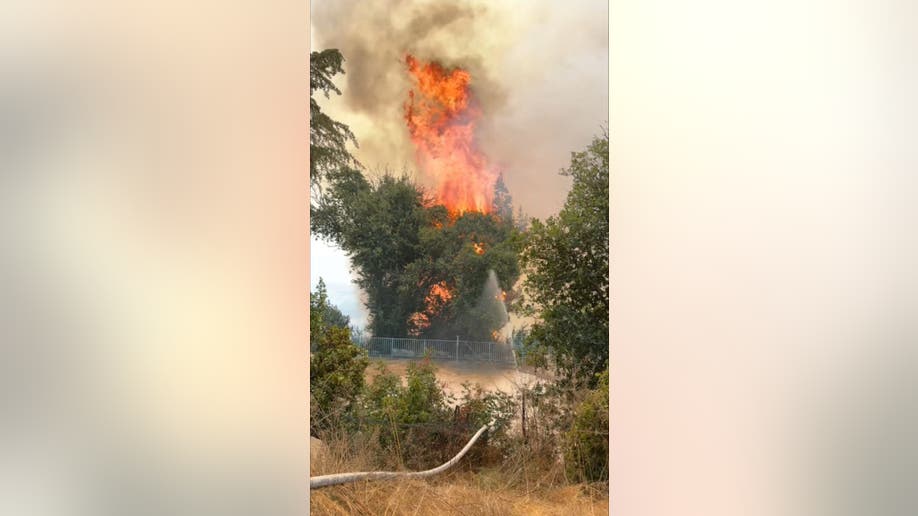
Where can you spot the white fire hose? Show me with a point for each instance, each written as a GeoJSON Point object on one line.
{"type": "Point", "coordinates": [343, 478]}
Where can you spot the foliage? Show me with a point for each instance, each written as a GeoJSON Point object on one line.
{"type": "Point", "coordinates": [586, 444]}
{"type": "Point", "coordinates": [401, 246]}
{"type": "Point", "coordinates": [502, 205]}
{"type": "Point", "coordinates": [328, 138]}
{"type": "Point", "coordinates": [494, 408]}
{"type": "Point", "coordinates": [323, 315]}
{"type": "Point", "coordinates": [392, 234]}
{"type": "Point", "coordinates": [424, 399]}
{"type": "Point", "coordinates": [415, 423]}
{"type": "Point", "coordinates": [378, 225]}
{"type": "Point", "coordinates": [448, 256]}
{"type": "Point", "coordinates": [567, 266]}
{"type": "Point", "coordinates": [409, 417]}
{"type": "Point", "coordinates": [336, 364]}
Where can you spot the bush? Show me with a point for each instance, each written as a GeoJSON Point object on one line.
{"type": "Point", "coordinates": [586, 444]}
{"type": "Point", "coordinates": [415, 424]}
{"type": "Point", "coordinates": [425, 401]}
{"type": "Point", "coordinates": [409, 419]}
{"type": "Point", "coordinates": [335, 377]}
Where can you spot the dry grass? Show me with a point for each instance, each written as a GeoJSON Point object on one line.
{"type": "Point", "coordinates": [530, 481]}
{"type": "Point", "coordinates": [536, 487]}
{"type": "Point", "coordinates": [459, 494]}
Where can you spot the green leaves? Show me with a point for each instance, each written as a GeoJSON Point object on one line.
{"type": "Point", "coordinates": [378, 225]}
{"type": "Point", "coordinates": [335, 377]}
{"type": "Point", "coordinates": [328, 138]}
{"type": "Point", "coordinates": [401, 247]}
{"type": "Point", "coordinates": [567, 266]}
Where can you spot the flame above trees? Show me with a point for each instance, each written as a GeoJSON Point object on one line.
{"type": "Point", "coordinates": [441, 114]}
{"type": "Point", "coordinates": [422, 264]}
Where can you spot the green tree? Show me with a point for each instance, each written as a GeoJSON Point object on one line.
{"type": "Point", "coordinates": [423, 269]}
{"type": "Point", "coordinates": [377, 224]}
{"type": "Point", "coordinates": [336, 378]}
{"type": "Point", "coordinates": [323, 314]}
{"type": "Point", "coordinates": [336, 364]}
{"type": "Point", "coordinates": [567, 266]}
{"type": "Point", "coordinates": [502, 205]}
{"type": "Point", "coordinates": [328, 138]}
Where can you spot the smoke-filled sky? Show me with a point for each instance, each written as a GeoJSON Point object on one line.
{"type": "Point", "coordinates": [540, 71]}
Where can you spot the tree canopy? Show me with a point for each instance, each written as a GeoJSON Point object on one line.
{"type": "Point", "coordinates": [567, 267]}
{"type": "Point", "coordinates": [377, 224]}
{"type": "Point", "coordinates": [323, 314]}
{"type": "Point", "coordinates": [336, 365]}
{"type": "Point", "coordinates": [328, 138]}
{"type": "Point", "coordinates": [423, 269]}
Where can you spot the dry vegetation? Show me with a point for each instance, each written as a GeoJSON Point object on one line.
{"type": "Point", "coordinates": [456, 495]}
{"type": "Point", "coordinates": [506, 489]}
{"type": "Point", "coordinates": [514, 477]}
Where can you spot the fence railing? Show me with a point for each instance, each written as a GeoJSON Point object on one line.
{"type": "Point", "coordinates": [391, 347]}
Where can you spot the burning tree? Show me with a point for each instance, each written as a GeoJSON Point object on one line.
{"type": "Point", "coordinates": [424, 253]}
{"type": "Point", "coordinates": [453, 273]}
{"type": "Point", "coordinates": [442, 114]}
{"type": "Point", "coordinates": [423, 268]}
{"type": "Point", "coordinates": [473, 231]}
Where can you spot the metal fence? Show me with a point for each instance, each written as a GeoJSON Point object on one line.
{"type": "Point", "coordinates": [438, 349]}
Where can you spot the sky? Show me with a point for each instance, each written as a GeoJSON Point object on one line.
{"type": "Point", "coordinates": [540, 74]}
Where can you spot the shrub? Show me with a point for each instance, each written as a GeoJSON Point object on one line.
{"type": "Point", "coordinates": [335, 377]}
{"type": "Point", "coordinates": [494, 408]}
{"type": "Point", "coordinates": [425, 401]}
{"type": "Point", "coordinates": [586, 444]}
{"type": "Point", "coordinates": [415, 424]}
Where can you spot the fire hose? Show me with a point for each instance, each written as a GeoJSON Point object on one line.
{"type": "Point", "coordinates": [343, 478]}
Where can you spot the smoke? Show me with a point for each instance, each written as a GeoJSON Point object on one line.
{"type": "Point", "coordinates": [539, 75]}
{"type": "Point", "coordinates": [375, 36]}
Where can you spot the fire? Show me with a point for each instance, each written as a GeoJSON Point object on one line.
{"type": "Point", "coordinates": [436, 299]}
{"type": "Point", "coordinates": [441, 114]}
{"type": "Point", "coordinates": [479, 248]}
{"type": "Point", "coordinates": [502, 296]}
{"type": "Point", "coordinates": [418, 321]}
{"type": "Point", "coordinates": [439, 294]}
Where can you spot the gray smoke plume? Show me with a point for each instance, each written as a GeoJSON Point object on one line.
{"type": "Point", "coordinates": [539, 73]}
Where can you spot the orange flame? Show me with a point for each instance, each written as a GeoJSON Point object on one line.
{"type": "Point", "coordinates": [418, 321]}
{"type": "Point", "coordinates": [436, 299]}
{"type": "Point", "coordinates": [479, 247]}
{"type": "Point", "coordinates": [441, 116]}
{"type": "Point", "coordinates": [439, 294]}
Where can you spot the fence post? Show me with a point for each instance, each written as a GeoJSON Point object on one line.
{"type": "Point", "coordinates": [457, 348]}
{"type": "Point", "coordinates": [490, 351]}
